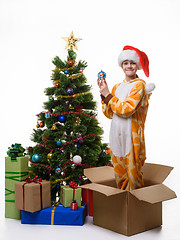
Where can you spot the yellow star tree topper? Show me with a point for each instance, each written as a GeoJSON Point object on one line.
{"type": "Point", "coordinates": [71, 41]}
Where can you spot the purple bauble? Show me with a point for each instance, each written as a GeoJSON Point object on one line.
{"type": "Point", "coordinates": [69, 91]}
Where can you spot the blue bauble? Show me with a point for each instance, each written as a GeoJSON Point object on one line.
{"type": "Point", "coordinates": [101, 75]}
{"type": "Point", "coordinates": [36, 158]}
{"type": "Point", "coordinates": [66, 71]}
{"type": "Point", "coordinates": [59, 143]}
{"type": "Point", "coordinates": [62, 119]}
{"type": "Point", "coordinates": [77, 146]}
{"type": "Point", "coordinates": [47, 115]}
{"type": "Point", "coordinates": [58, 170]}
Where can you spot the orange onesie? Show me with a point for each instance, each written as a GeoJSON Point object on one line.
{"type": "Point", "coordinates": [127, 107]}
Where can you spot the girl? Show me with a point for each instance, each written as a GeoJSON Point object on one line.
{"type": "Point", "coordinates": [127, 106]}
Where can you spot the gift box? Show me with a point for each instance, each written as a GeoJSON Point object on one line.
{"type": "Point", "coordinates": [32, 196]}
{"type": "Point", "coordinates": [87, 197]}
{"type": "Point", "coordinates": [56, 215]}
{"type": "Point", "coordinates": [16, 170]}
{"type": "Point", "coordinates": [128, 212]}
{"type": "Point", "coordinates": [68, 194]}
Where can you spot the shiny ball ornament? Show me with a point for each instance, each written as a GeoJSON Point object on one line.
{"type": "Point", "coordinates": [101, 75]}
{"type": "Point", "coordinates": [63, 174]}
{"type": "Point", "coordinates": [47, 115]}
{"type": "Point", "coordinates": [49, 156]}
{"type": "Point", "coordinates": [41, 124]}
{"type": "Point", "coordinates": [57, 85]}
{"type": "Point", "coordinates": [37, 125]}
{"type": "Point", "coordinates": [77, 146]}
{"type": "Point", "coordinates": [108, 151]}
{"type": "Point", "coordinates": [66, 71]}
{"type": "Point", "coordinates": [36, 158]}
{"type": "Point", "coordinates": [62, 119]}
{"type": "Point", "coordinates": [71, 63]}
{"type": "Point", "coordinates": [59, 143]}
{"type": "Point", "coordinates": [81, 70]}
{"type": "Point", "coordinates": [77, 159]}
{"type": "Point", "coordinates": [69, 91]}
{"type": "Point", "coordinates": [58, 170]}
{"type": "Point", "coordinates": [54, 127]}
{"type": "Point", "coordinates": [71, 106]}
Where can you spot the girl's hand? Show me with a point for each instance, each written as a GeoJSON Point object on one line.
{"type": "Point", "coordinates": [103, 87]}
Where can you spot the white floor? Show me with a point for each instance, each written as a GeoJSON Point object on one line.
{"type": "Point", "coordinates": [13, 229]}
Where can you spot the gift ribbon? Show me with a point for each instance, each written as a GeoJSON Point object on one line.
{"type": "Point", "coordinates": [14, 176]}
{"type": "Point", "coordinates": [73, 185]}
{"type": "Point", "coordinates": [35, 180]}
{"type": "Point", "coordinates": [55, 205]}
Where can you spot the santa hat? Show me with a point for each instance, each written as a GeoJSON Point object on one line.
{"type": "Point", "coordinates": [137, 56]}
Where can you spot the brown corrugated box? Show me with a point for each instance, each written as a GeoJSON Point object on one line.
{"type": "Point", "coordinates": [32, 198]}
{"type": "Point", "coordinates": [128, 212]}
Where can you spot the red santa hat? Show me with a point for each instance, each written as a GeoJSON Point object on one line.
{"type": "Point", "coordinates": [137, 56]}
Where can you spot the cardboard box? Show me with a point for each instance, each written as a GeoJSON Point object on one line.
{"type": "Point", "coordinates": [15, 171]}
{"type": "Point", "coordinates": [32, 196]}
{"type": "Point", "coordinates": [128, 212]}
{"type": "Point", "coordinates": [56, 216]}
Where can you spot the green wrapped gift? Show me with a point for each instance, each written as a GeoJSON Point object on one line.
{"type": "Point", "coordinates": [68, 194]}
{"type": "Point", "coordinates": [16, 170]}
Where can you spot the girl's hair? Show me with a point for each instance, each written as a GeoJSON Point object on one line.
{"type": "Point", "coordinates": [137, 76]}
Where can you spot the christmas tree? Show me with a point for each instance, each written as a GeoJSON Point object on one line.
{"type": "Point", "coordinates": [68, 136]}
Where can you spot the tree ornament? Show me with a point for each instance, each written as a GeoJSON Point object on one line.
{"type": "Point", "coordinates": [37, 125]}
{"type": "Point", "coordinates": [80, 140]}
{"type": "Point", "coordinates": [49, 156]}
{"type": "Point", "coordinates": [54, 127]}
{"type": "Point", "coordinates": [63, 174]}
{"type": "Point", "coordinates": [101, 75]}
{"type": "Point", "coordinates": [41, 124]}
{"type": "Point", "coordinates": [77, 146]}
{"type": "Point", "coordinates": [77, 159]}
{"type": "Point", "coordinates": [59, 143]}
{"type": "Point", "coordinates": [71, 63]}
{"type": "Point", "coordinates": [47, 115]}
{"type": "Point", "coordinates": [71, 41]}
{"type": "Point", "coordinates": [66, 71]}
{"type": "Point", "coordinates": [77, 121]}
{"type": "Point", "coordinates": [69, 91]}
{"type": "Point", "coordinates": [57, 85]}
{"type": "Point", "coordinates": [108, 151]}
{"type": "Point", "coordinates": [80, 177]}
{"type": "Point", "coordinates": [36, 158]}
{"type": "Point", "coordinates": [71, 106]}
{"type": "Point", "coordinates": [62, 119]}
{"type": "Point", "coordinates": [58, 170]}
{"type": "Point", "coordinates": [81, 70]}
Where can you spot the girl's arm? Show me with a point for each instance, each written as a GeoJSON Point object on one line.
{"type": "Point", "coordinates": [126, 108]}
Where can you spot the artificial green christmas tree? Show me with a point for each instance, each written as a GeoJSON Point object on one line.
{"type": "Point", "coordinates": [68, 135]}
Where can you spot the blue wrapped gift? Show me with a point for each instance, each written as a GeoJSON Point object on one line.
{"type": "Point", "coordinates": [56, 215]}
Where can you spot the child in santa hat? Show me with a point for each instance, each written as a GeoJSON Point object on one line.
{"type": "Point", "coordinates": [127, 106]}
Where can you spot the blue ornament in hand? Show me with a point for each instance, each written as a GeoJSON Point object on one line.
{"type": "Point", "coordinates": [36, 158]}
{"type": "Point", "coordinates": [101, 75]}
{"type": "Point", "coordinates": [62, 119]}
{"type": "Point", "coordinates": [59, 143]}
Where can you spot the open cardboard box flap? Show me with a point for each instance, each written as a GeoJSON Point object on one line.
{"type": "Point", "coordinates": [151, 172]}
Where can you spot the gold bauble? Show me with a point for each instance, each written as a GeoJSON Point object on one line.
{"type": "Point", "coordinates": [71, 106]}
{"type": "Point", "coordinates": [49, 156]}
{"type": "Point", "coordinates": [54, 127]}
{"type": "Point", "coordinates": [77, 121]}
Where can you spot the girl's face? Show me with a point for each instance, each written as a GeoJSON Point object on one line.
{"type": "Point", "coordinates": [129, 68]}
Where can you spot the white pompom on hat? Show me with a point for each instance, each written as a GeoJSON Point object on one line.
{"type": "Point", "coordinates": [135, 55]}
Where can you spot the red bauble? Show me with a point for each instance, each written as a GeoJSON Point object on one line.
{"type": "Point", "coordinates": [71, 63]}
{"type": "Point", "coordinates": [57, 85]}
{"type": "Point", "coordinates": [108, 151]}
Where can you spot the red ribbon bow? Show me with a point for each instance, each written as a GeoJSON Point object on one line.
{"type": "Point", "coordinates": [73, 185]}
{"type": "Point", "coordinates": [35, 180]}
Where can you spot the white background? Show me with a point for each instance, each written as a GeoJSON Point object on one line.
{"type": "Point", "coordinates": [30, 37]}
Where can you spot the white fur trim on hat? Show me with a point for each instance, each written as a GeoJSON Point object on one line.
{"type": "Point", "coordinates": [129, 55]}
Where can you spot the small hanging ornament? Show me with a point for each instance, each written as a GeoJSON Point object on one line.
{"type": "Point", "coordinates": [59, 143]}
{"type": "Point", "coordinates": [77, 146]}
{"type": "Point", "coordinates": [71, 106]}
{"type": "Point", "coordinates": [69, 91]}
{"type": "Point", "coordinates": [101, 75]}
{"type": "Point", "coordinates": [62, 119]}
{"type": "Point", "coordinates": [47, 115]}
{"type": "Point", "coordinates": [49, 156]}
{"type": "Point", "coordinates": [77, 159]}
{"type": "Point", "coordinates": [54, 127]}
{"type": "Point", "coordinates": [108, 151]}
{"type": "Point", "coordinates": [63, 174]}
{"type": "Point", "coordinates": [41, 124]}
{"type": "Point", "coordinates": [77, 121]}
{"type": "Point", "coordinates": [71, 63]}
{"type": "Point", "coordinates": [81, 70]}
{"type": "Point", "coordinates": [66, 72]}
{"type": "Point", "coordinates": [57, 85]}
{"type": "Point", "coordinates": [58, 170]}
{"type": "Point", "coordinates": [80, 140]}
{"type": "Point", "coordinates": [36, 158]}
{"type": "Point", "coordinates": [37, 125]}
